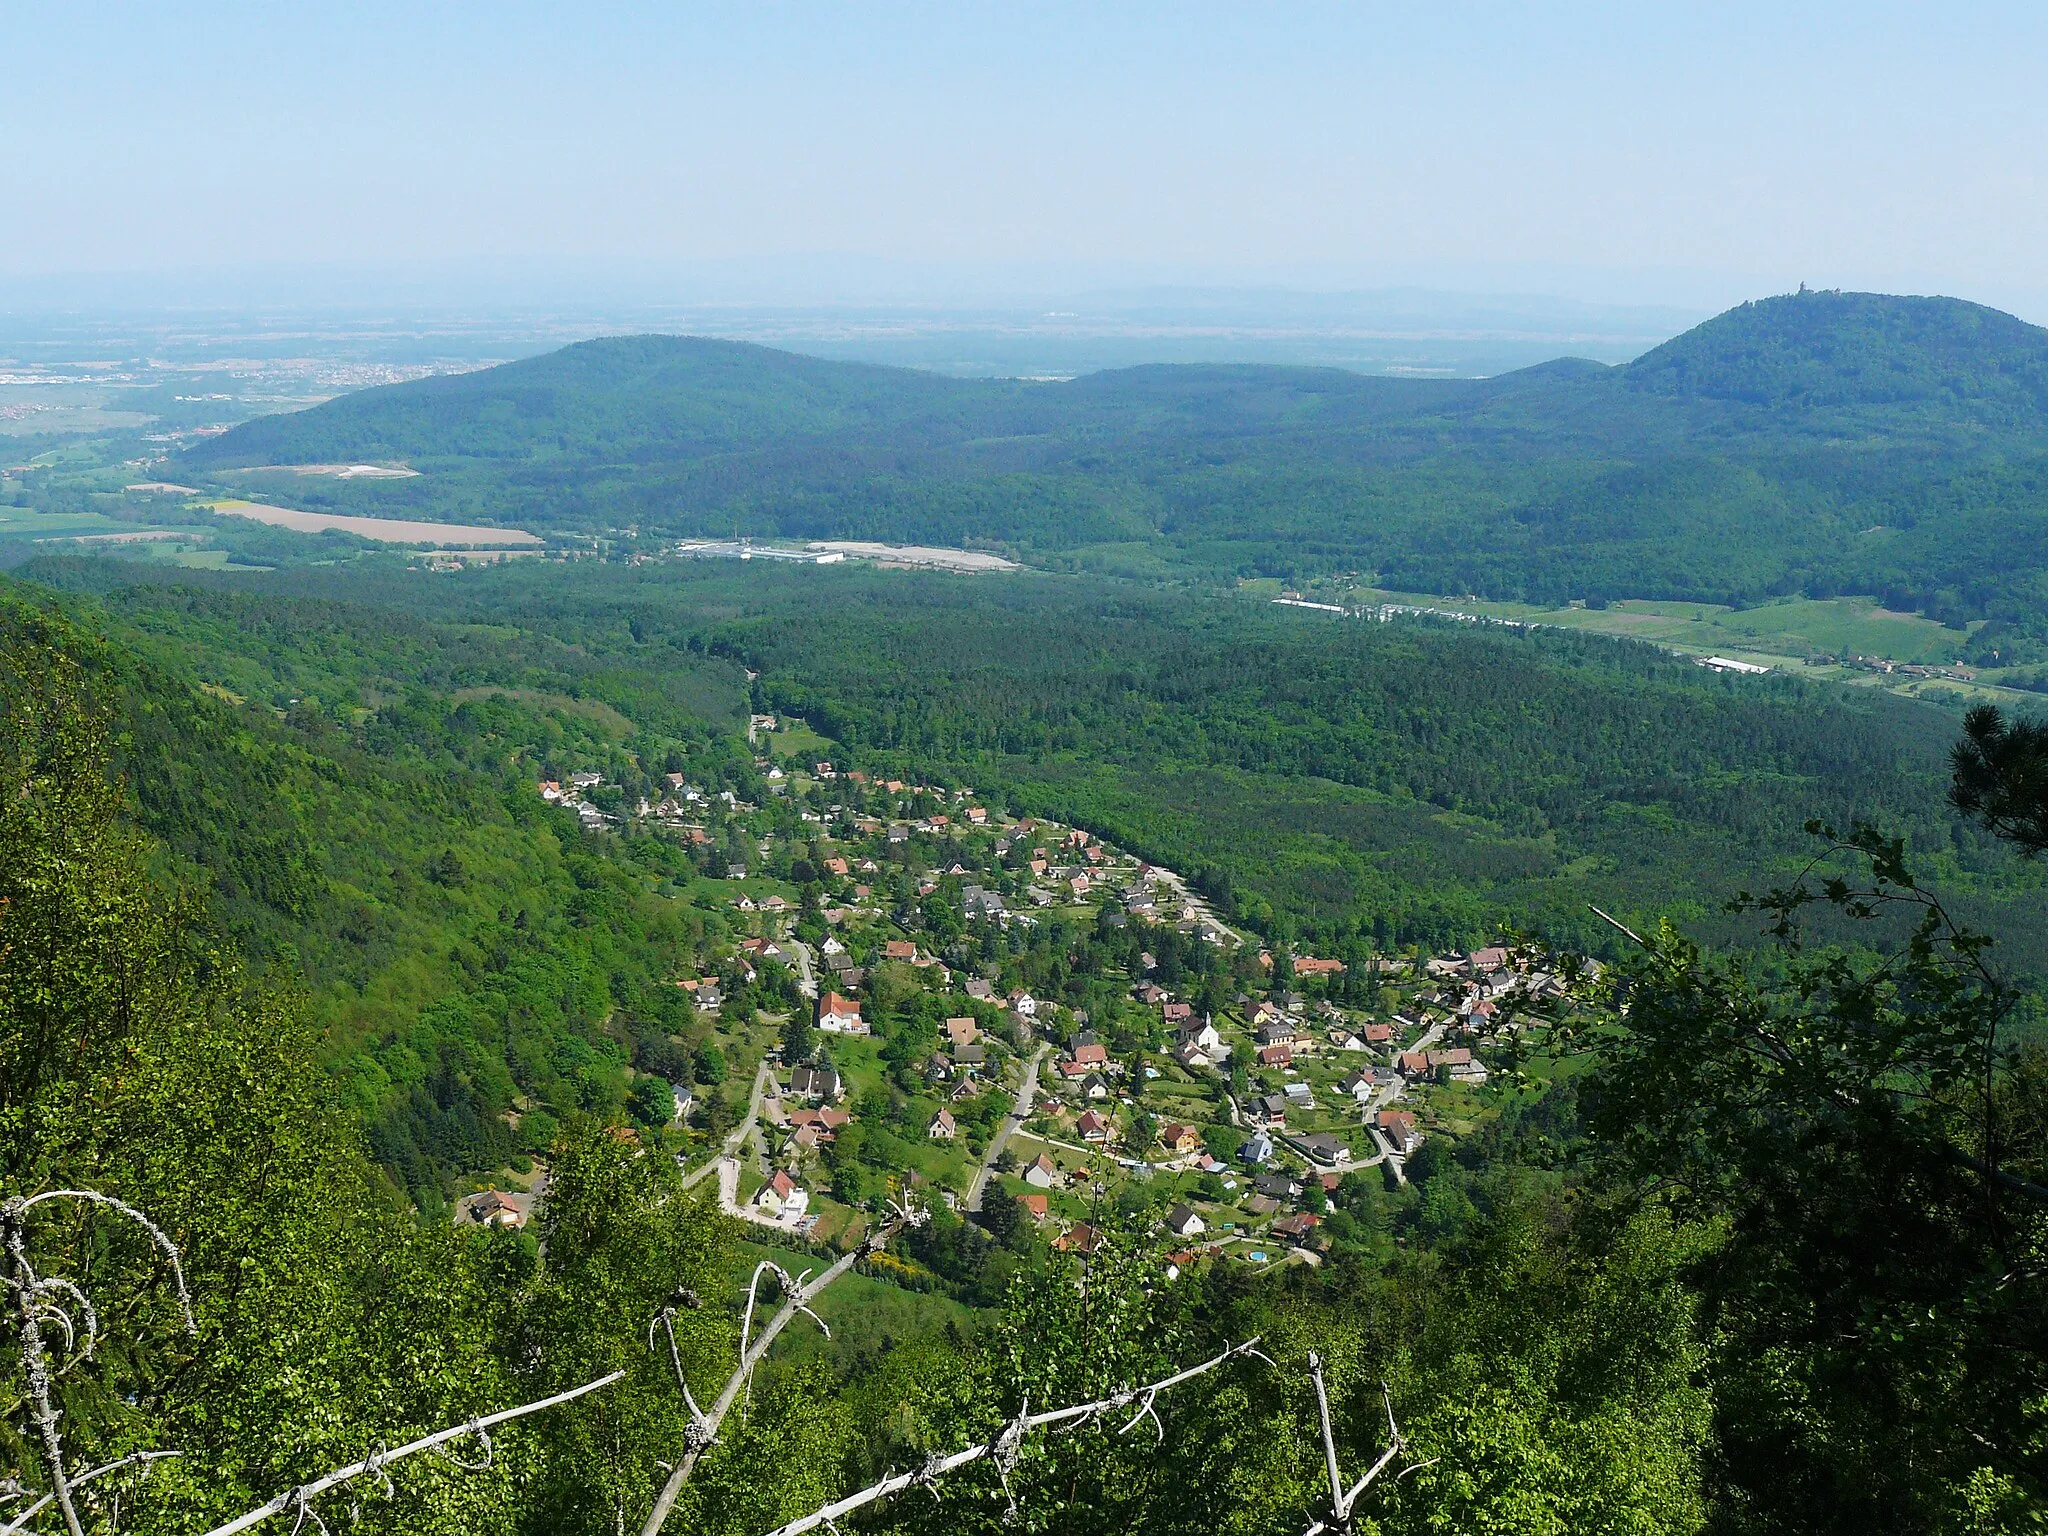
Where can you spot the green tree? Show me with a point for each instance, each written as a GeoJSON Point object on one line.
{"type": "Point", "coordinates": [709, 1064]}
{"type": "Point", "coordinates": [1865, 1127]}
{"type": "Point", "coordinates": [799, 1037]}
{"type": "Point", "coordinates": [653, 1101]}
{"type": "Point", "coordinates": [138, 1060]}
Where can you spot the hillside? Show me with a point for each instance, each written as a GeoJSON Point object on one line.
{"type": "Point", "coordinates": [1181, 801]}
{"type": "Point", "coordinates": [1814, 351]}
{"type": "Point", "coordinates": [1816, 442]}
{"type": "Point", "coordinates": [1435, 780]}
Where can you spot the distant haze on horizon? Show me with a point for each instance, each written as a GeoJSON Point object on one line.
{"type": "Point", "coordinates": [1668, 161]}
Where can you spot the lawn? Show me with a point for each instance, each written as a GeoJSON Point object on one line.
{"type": "Point", "coordinates": [865, 1314]}
{"type": "Point", "coordinates": [799, 741]}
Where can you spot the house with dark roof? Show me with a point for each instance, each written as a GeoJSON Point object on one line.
{"type": "Point", "coordinates": [1400, 1129]}
{"type": "Point", "coordinates": [1324, 1147]}
{"type": "Point", "coordinates": [817, 1084]}
{"type": "Point", "coordinates": [1268, 1110]}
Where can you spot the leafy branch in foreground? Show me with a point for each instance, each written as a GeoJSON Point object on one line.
{"type": "Point", "coordinates": [53, 1302]}
{"type": "Point", "coordinates": [1708, 1060]}
{"type": "Point", "coordinates": [2001, 777]}
{"type": "Point", "coordinates": [1860, 1126]}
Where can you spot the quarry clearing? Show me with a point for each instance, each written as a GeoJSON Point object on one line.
{"type": "Point", "coordinates": [917, 555]}
{"type": "Point", "coordinates": [340, 471]}
{"type": "Point", "coordinates": [384, 530]}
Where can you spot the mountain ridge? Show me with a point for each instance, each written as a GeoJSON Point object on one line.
{"type": "Point", "coordinates": [1740, 460]}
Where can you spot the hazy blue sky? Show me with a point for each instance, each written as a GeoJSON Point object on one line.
{"type": "Point", "coordinates": [1640, 152]}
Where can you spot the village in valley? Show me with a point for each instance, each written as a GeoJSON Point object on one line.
{"type": "Point", "coordinates": [922, 995]}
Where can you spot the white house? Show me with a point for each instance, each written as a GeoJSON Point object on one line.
{"type": "Point", "coordinates": [840, 1015]}
{"type": "Point", "coordinates": [1042, 1173]}
{"type": "Point", "coordinates": [1185, 1221]}
{"type": "Point", "coordinates": [783, 1198]}
{"type": "Point", "coordinates": [943, 1126]}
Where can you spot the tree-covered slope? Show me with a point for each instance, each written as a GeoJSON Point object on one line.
{"type": "Point", "coordinates": [1752, 1253]}
{"type": "Point", "coordinates": [633, 397]}
{"type": "Point", "coordinates": [348, 794]}
{"type": "Point", "coordinates": [1418, 782]}
{"type": "Point", "coordinates": [1815, 351]}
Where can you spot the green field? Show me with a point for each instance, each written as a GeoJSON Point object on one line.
{"type": "Point", "coordinates": [1791, 630]}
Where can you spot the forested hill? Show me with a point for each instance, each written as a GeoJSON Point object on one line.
{"type": "Point", "coordinates": [1822, 351]}
{"type": "Point", "coordinates": [1816, 442]}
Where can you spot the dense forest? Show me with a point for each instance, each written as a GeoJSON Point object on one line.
{"type": "Point", "coordinates": [1819, 442]}
{"type": "Point", "coordinates": [1412, 782]}
{"type": "Point", "coordinates": [284, 922]}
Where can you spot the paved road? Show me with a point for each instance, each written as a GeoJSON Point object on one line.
{"type": "Point", "coordinates": [764, 1078]}
{"type": "Point", "coordinates": [1426, 1039]}
{"type": "Point", "coordinates": [1386, 1096]}
{"type": "Point", "coordinates": [727, 1164]}
{"type": "Point", "coordinates": [1180, 888]}
{"type": "Point", "coordinates": [1388, 1155]}
{"type": "Point", "coordinates": [806, 978]}
{"type": "Point", "coordinates": [764, 1075]}
{"type": "Point", "coordinates": [1018, 1115]}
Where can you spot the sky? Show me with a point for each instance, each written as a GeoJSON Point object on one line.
{"type": "Point", "coordinates": [1691, 155]}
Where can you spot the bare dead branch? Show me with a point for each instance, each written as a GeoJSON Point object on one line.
{"type": "Point", "coordinates": [1003, 1447]}
{"type": "Point", "coordinates": [666, 1317]}
{"type": "Point", "coordinates": [156, 1235]}
{"type": "Point", "coordinates": [140, 1458]}
{"type": "Point", "coordinates": [39, 1300]}
{"type": "Point", "coordinates": [1630, 933]}
{"type": "Point", "coordinates": [301, 1497]}
{"type": "Point", "coordinates": [1315, 1366]}
{"type": "Point", "coordinates": [704, 1426]}
{"type": "Point", "coordinates": [1344, 1500]}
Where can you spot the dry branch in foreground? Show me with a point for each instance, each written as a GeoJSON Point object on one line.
{"type": "Point", "coordinates": [1004, 1448]}
{"type": "Point", "coordinates": [704, 1426]}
